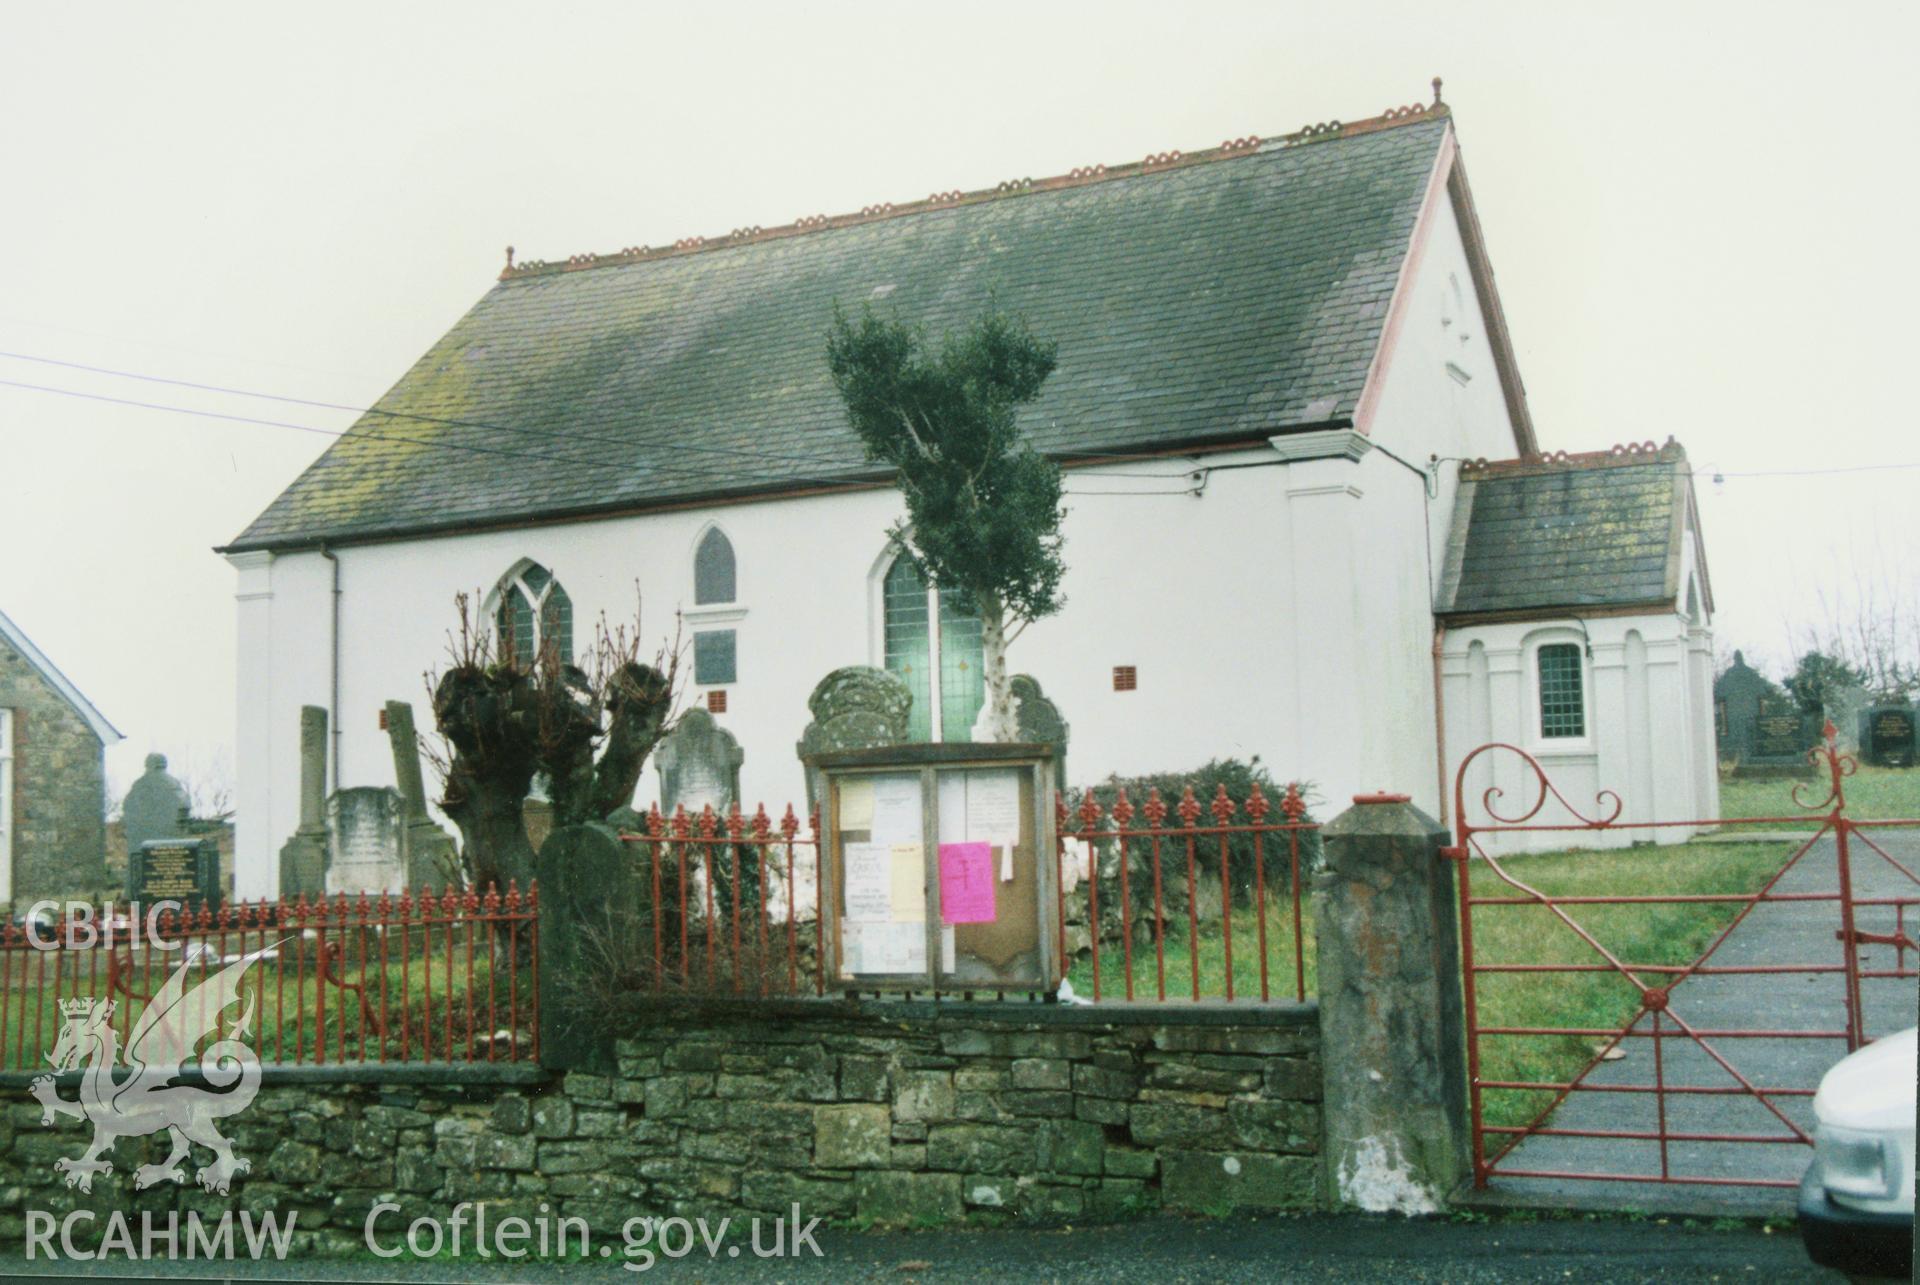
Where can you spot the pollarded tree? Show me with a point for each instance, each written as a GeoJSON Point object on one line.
{"type": "Point", "coordinates": [587, 729]}
{"type": "Point", "coordinates": [983, 507]}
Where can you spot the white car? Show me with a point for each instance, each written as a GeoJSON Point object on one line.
{"type": "Point", "coordinates": [1856, 1202]}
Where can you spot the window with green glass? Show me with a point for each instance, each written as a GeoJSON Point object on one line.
{"type": "Point", "coordinates": [534, 613]}
{"type": "Point", "coordinates": [1563, 706]}
{"type": "Point", "coordinates": [949, 684]}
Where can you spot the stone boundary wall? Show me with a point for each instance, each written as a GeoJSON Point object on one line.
{"type": "Point", "coordinates": [894, 1113]}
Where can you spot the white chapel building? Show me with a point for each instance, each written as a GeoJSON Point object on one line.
{"type": "Point", "coordinates": [1308, 516]}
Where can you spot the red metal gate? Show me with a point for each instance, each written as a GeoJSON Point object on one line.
{"type": "Point", "coordinates": [1606, 1042]}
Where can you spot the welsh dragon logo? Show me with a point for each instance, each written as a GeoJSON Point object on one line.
{"type": "Point", "coordinates": [144, 1100]}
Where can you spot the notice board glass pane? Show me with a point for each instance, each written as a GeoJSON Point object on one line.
{"type": "Point", "coordinates": [880, 875]}
{"type": "Point", "coordinates": [988, 877]}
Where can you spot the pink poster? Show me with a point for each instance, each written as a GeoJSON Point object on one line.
{"type": "Point", "coordinates": [966, 883]}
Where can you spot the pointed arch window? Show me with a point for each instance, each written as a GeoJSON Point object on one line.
{"type": "Point", "coordinates": [534, 613]}
{"type": "Point", "coordinates": [713, 569]}
{"type": "Point", "coordinates": [933, 643]}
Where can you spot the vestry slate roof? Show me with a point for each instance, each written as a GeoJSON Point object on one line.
{"type": "Point", "coordinates": [1220, 296]}
{"type": "Point", "coordinates": [1550, 533]}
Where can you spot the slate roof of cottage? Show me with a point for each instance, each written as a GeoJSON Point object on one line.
{"type": "Point", "coordinates": [1220, 296]}
{"type": "Point", "coordinates": [16, 637]}
{"type": "Point", "coordinates": [1552, 533]}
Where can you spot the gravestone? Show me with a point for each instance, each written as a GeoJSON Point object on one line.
{"type": "Point", "coordinates": [855, 708]}
{"type": "Point", "coordinates": [367, 840]}
{"type": "Point", "coordinates": [1040, 722]}
{"type": "Point", "coordinates": [181, 870]}
{"type": "Point", "coordinates": [155, 808]}
{"type": "Point", "coordinates": [699, 765]}
{"type": "Point", "coordinates": [303, 858]}
{"type": "Point", "coordinates": [432, 859]}
{"type": "Point", "coordinates": [1887, 735]}
{"type": "Point", "coordinates": [1761, 730]}
{"type": "Point", "coordinates": [1846, 709]}
{"type": "Point", "coordinates": [1782, 732]}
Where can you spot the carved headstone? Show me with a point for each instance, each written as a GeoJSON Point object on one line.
{"type": "Point", "coordinates": [303, 858]}
{"type": "Point", "coordinates": [156, 807]}
{"type": "Point", "coordinates": [432, 857]}
{"type": "Point", "coordinates": [699, 765]}
{"type": "Point", "coordinates": [367, 832]}
{"type": "Point", "coordinates": [855, 708]}
{"type": "Point", "coordinates": [1040, 722]}
{"type": "Point", "coordinates": [186, 871]}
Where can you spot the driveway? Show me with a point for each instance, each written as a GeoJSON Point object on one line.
{"type": "Point", "coordinates": [1773, 934]}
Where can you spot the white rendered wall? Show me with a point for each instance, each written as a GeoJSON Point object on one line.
{"type": "Point", "coordinates": [1286, 612]}
{"type": "Point", "coordinates": [1648, 715]}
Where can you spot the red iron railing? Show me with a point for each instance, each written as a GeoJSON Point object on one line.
{"type": "Point", "coordinates": [728, 895]}
{"type": "Point", "coordinates": [420, 977]}
{"type": "Point", "coordinates": [1258, 865]}
{"type": "Point", "coordinates": [1744, 1059]}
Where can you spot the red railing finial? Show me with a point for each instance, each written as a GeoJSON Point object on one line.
{"type": "Point", "coordinates": [1189, 808]}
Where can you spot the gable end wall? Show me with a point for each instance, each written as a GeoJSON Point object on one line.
{"type": "Point", "coordinates": [59, 787]}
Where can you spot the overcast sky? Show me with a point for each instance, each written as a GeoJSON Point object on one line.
{"type": "Point", "coordinates": [1700, 216]}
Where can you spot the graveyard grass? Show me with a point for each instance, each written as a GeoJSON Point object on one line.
{"type": "Point", "coordinates": [1524, 934]}
{"type": "Point", "coordinates": [420, 1011]}
{"type": "Point", "coordinates": [1873, 794]}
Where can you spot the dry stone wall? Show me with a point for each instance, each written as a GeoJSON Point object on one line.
{"type": "Point", "coordinates": [897, 1113]}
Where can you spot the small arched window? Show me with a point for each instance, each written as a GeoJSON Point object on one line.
{"type": "Point", "coordinates": [713, 580]}
{"type": "Point", "coordinates": [1563, 694]}
{"type": "Point", "coordinates": [534, 614]}
{"type": "Point", "coordinates": [946, 679]}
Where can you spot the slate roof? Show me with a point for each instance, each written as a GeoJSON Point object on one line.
{"type": "Point", "coordinates": [1221, 296]}
{"type": "Point", "coordinates": [1552, 533]}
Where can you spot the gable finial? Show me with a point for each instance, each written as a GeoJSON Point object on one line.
{"type": "Point", "coordinates": [509, 258]}
{"type": "Point", "coordinates": [1436, 91]}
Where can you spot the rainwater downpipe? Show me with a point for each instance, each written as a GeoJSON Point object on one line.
{"type": "Point", "coordinates": [333, 677]}
{"type": "Point", "coordinates": [1440, 714]}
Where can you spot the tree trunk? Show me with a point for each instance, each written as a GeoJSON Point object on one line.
{"type": "Point", "coordinates": [997, 722]}
{"type": "Point", "coordinates": [493, 829]}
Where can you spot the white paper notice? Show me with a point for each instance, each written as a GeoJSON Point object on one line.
{"type": "Point", "coordinates": [993, 808]}
{"type": "Point", "coordinates": [896, 809]}
{"type": "Point", "coordinates": [853, 954]}
{"type": "Point", "coordinates": [895, 948]}
{"type": "Point", "coordinates": [856, 804]}
{"type": "Point", "coordinates": [869, 877]}
{"type": "Point", "coordinates": [946, 948]}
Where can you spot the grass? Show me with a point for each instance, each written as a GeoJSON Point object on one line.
{"type": "Point", "coordinates": [1638, 934]}
{"type": "Point", "coordinates": [418, 1005]}
{"type": "Point", "coordinates": [1873, 794]}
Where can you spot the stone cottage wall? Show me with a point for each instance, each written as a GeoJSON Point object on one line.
{"type": "Point", "coordinates": [892, 1114]}
{"type": "Point", "coordinates": [59, 788]}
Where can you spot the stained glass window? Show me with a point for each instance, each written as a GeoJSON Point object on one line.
{"type": "Point", "coordinates": [534, 614]}
{"type": "Point", "coordinates": [957, 691]}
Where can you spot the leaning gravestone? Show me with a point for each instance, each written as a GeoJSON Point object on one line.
{"type": "Point", "coordinates": [699, 765]}
{"type": "Point", "coordinates": [855, 708]}
{"type": "Point", "coordinates": [1040, 722]}
{"type": "Point", "coordinates": [433, 860]}
{"type": "Point", "coordinates": [186, 871]}
{"type": "Point", "coordinates": [1887, 735]}
{"type": "Point", "coordinates": [367, 841]}
{"type": "Point", "coordinates": [156, 807]}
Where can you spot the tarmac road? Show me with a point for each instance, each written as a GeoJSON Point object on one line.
{"type": "Point", "coordinates": [1156, 1251]}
